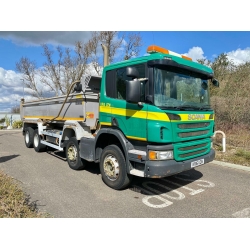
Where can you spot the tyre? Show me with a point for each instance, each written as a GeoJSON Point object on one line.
{"type": "Point", "coordinates": [73, 155]}
{"type": "Point", "coordinates": [38, 146]}
{"type": "Point", "coordinates": [113, 168]}
{"type": "Point", "coordinates": [29, 137]}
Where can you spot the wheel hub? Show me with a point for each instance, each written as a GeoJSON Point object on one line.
{"type": "Point", "coordinates": [111, 167]}
{"type": "Point", "coordinates": [27, 137]}
{"type": "Point", "coordinates": [72, 153]}
{"type": "Point", "coordinates": [36, 140]}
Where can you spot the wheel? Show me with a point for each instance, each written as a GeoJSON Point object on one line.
{"type": "Point", "coordinates": [113, 168]}
{"type": "Point", "coordinates": [29, 137]}
{"type": "Point", "coordinates": [73, 155]}
{"type": "Point", "coordinates": [38, 146]}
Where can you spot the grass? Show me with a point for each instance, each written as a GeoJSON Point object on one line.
{"type": "Point", "coordinates": [237, 147]}
{"type": "Point", "coordinates": [244, 154]}
{"type": "Point", "coordinates": [14, 203]}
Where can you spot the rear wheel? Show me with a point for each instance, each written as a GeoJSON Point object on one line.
{"type": "Point", "coordinates": [73, 155]}
{"type": "Point", "coordinates": [29, 137]}
{"type": "Point", "coordinates": [113, 168]}
{"type": "Point", "coordinates": [38, 146]}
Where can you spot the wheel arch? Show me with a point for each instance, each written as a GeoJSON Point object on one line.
{"type": "Point", "coordinates": [107, 137]}
{"type": "Point", "coordinates": [29, 125]}
{"type": "Point", "coordinates": [67, 134]}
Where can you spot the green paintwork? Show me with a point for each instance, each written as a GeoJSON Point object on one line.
{"type": "Point", "coordinates": [155, 56]}
{"type": "Point", "coordinates": [161, 131]}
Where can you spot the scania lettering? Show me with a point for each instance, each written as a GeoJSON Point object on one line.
{"type": "Point", "coordinates": [196, 117]}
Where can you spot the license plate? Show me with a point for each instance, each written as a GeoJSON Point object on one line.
{"type": "Point", "coordinates": [197, 163]}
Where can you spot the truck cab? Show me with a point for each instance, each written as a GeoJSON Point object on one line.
{"type": "Point", "coordinates": [161, 104]}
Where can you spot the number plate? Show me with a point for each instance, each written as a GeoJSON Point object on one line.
{"type": "Point", "coordinates": [197, 163]}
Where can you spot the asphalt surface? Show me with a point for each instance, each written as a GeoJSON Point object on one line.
{"type": "Point", "coordinates": [209, 191]}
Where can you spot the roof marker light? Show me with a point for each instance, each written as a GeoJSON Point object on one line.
{"type": "Point", "coordinates": [156, 49]}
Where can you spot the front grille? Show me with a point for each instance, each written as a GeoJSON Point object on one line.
{"type": "Point", "coordinates": [193, 147]}
{"type": "Point", "coordinates": [194, 133]}
{"type": "Point", "coordinates": [193, 139]}
{"type": "Point", "coordinates": [193, 153]}
{"type": "Point", "coordinates": [193, 125]}
{"type": "Point", "coordinates": [188, 150]}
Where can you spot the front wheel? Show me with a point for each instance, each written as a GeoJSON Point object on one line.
{"type": "Point", "coordinates": [73, 155]}
{"type": "Point", "coordinates": [113, 168]}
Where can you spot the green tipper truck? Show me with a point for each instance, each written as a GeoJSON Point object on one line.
{"type": "Point", "coordinates": [148, 116]}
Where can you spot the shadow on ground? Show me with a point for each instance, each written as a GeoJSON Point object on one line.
{"type": "Point", "coordinates": [140, 184]}
{"type": "Point", "coordinates": [90, 166]}
{"type": "Point", "coordinates": [7, 158]}
{"type": "Point", "coordinates": [164, 185]}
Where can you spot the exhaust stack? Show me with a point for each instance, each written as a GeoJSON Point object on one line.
{"type": "Point", "coordinates": [105, 55]}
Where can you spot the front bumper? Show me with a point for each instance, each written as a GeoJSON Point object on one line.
{"type": "Point", "coordinates": [159, 169]}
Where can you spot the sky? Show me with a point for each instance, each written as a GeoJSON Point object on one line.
{"type": "Point", "coordinates": [201, 29]}
{"type": "Point", "coordinates": [195, 44]}
{"type": "Point", "coordinates": [186, 28]}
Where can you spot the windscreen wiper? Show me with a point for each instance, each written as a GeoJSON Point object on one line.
{"type": "Point", "coordinates": [204, 107]}
{"type": "Point", "coordinates": [188, 107]}
{"type": "Point", "coordinates": [170, 107]}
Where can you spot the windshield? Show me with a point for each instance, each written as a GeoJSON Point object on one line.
{"type": "Point", "coordinates": [176, 90]}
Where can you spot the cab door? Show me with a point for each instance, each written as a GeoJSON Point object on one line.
{"type": "Point", "coordinates": [130, 118]}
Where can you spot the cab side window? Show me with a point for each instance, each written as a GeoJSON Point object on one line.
{"type": "Point", "coordinates": [110, 84]}
{"type": "Point", "coordinates": [121, 78]}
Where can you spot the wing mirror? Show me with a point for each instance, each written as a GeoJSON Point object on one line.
{"type": "Point", "coordinates": [215, 82]}
{"type": "Point", "coordinates": [133, 91]}
{"type": "Point", "coordinates": [132, 72]}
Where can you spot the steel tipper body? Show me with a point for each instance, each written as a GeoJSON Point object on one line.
{"type": "Point", "coordinates": [62, 121]}
{"type": "Point", "coordinates": [148, 117]}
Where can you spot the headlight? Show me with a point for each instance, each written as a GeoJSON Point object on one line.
{"type": "Point", "coordinates": [160, 155]}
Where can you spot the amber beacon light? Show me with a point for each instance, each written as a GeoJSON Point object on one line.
{"type": "Point", "coordinates": [156, 49]}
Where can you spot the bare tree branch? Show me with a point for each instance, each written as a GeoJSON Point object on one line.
{"type": "Point", "coordinates": [27, 68]}
{"type": "Point", "coordinates": [70, 65]}
{"type": "Point", "coordinates": [132, 47]}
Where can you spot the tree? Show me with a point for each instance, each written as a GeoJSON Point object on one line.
{"type": "Point", "coordinates": [128, 43]}
{"type": "Point", "coordinates": [28, 70]}
{"type": "Point", "coordinates": [132, 47]}
{"type": "Point", "coordinates": [222, 66]}
{"type": "Point", "coordinates": [71, 65]}
{"type": "Point", "coordinates": [56, 75]}
{"type": "Point", "coordinates": [204, 61]}
{"type": "Point", "coordinates": [15, 110]}
{"type": "Point", "coordinates": [230, 101]}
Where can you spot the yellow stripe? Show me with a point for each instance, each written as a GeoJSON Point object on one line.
{"type": "Point", "coordinates": [136, 138]}
{"type": "Point", "coordinates": [106, 123]}
{"type": "Point", "coordinates": [130, 112]}
{"type": "Point", "coordinates": [58, 118]}
{"type": "Point", "coordinates": [124, 112]}
{"type": "Point", "coordinates": [105, 109]}
{"type": "Point", "coordinates": [135, 113]}
{"type": "Point", "coordinates": [79, 96]}
{"type": "Point", "coordinates": [158, 116]}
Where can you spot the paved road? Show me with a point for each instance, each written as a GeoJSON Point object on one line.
{"type": "Point", "coordinates": [209, 191]}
